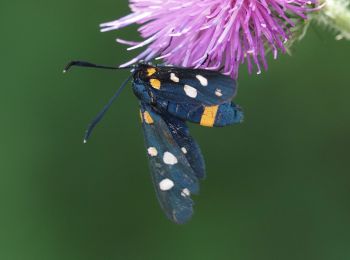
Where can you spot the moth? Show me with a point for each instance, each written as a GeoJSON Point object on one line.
{"type": "Point", "coordinates": [168, 98]}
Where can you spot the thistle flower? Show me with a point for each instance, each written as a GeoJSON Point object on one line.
{"type": "Point", "coordinates": [212, 34]}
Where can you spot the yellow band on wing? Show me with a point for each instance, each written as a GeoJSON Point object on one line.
{"type": "Point", "coordinates": [209, 115]}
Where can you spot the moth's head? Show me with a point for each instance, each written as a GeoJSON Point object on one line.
{"type": "Point", "coordinates": [146, 74]}
{"type": "Point", "coordinates": [143, 71]}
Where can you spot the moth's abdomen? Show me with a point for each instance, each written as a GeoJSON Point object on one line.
{"type": "Point", "coordinates": [210, 116]}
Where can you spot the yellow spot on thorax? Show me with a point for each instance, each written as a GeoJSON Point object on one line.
{"type": "Point", "coordinates": [151, 71]}
{"type": "Point", "coordinates": [147, 117]}
{"type": "Point", "coordinates": [208, 116]}
{"type": "Point", "coordinates": [155, 83]}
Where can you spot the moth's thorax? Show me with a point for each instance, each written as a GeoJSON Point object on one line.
{"type": "Point", "coordinates": [144, 72]}
{"type": "Point", "coordinates": [145, 79]}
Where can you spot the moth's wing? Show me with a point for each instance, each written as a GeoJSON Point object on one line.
{"type": "Point", "coordinates": [218, 115]}
{"type": "Point", "coordinates": [173, 177]}
{"type": "Point", "coordinates": [187, 144]}
{"type": "Point", "coordinates": [193, 86]}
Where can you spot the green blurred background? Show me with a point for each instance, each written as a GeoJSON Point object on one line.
{"type": "Point", "coordinates": [277, 185]}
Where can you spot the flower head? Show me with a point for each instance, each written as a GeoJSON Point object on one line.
{"type": "Point", "coordinates": [335, 15]}
{"type": "Point", "coordinates": [212, 34]}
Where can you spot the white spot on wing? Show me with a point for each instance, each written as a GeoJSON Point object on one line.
{"type": "Point", "coordinates": [169, 158]}
{"type": "Point", "coordinates": [202, 80]}
{"type": "Point", "coordinates": [174, 78]}
{"type": "Point", "coordinates": [218, 92]}
{"type": "Point", "coordinates": [152, 151]}
{"type": "Point", "coordinates": [185, 192]}
{"type": "Point", "coordinates": [190, 91]}
{"type": "Point", "coordinates": [166, 184]}
{"type": "Point", "coordinates": [184, 150]}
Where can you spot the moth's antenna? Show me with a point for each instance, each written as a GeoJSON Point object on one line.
{"type": "Point", "coordinates": [79, 63]}
{"type": "Point", "coordinates": [100, 115]}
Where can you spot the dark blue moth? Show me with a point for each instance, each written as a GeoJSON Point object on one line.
{"type": "Point", "coordinates": [170, 96]}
